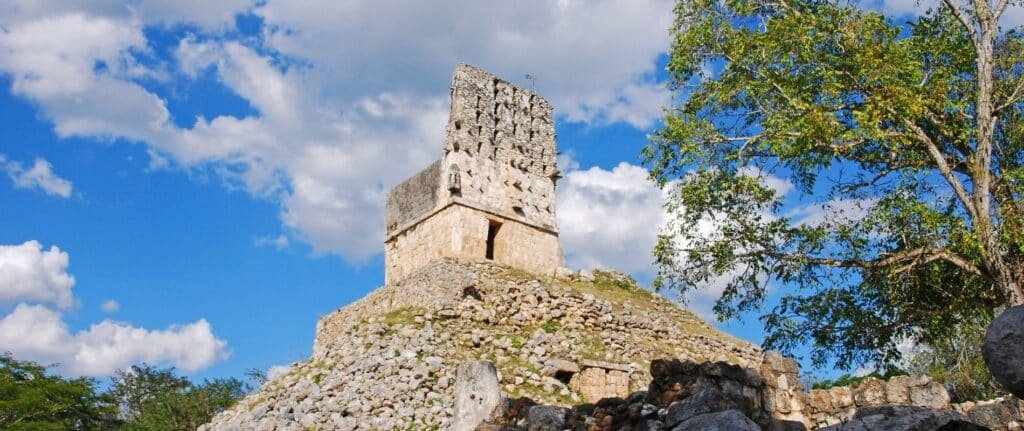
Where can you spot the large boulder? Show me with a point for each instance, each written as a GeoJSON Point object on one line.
{"type": "Point", "coordinates": [1004, 349]}
{"type": "Point", "coordinates": [546, 418]}
{"type": "Point", "coordinates": [729, 420]}
{"type": "Point", "coordinates": [906, 418]}
{"type": "Point", "coordinates": [706, 400]}
{"type": "Point", "coordinates": [476, 394]}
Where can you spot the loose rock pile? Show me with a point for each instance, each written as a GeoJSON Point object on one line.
{"type": "Point", "coordinates": [590, 339]}
{"type": "Point", "coordinates": [681, 395]}
{"type": "Point", "coordinates": [388, 361]}
{"type": "Point", "coordinates": [687, 396]}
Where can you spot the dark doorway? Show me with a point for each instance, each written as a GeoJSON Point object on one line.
{"type": "Point", "coordinates": [492, 232]}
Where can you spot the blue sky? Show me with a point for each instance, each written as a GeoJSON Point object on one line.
{"type": "Point", "coordinates": [194, 183]}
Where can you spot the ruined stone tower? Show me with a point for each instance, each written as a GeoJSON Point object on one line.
{"type": "Point", "coordinates": [492, 193]}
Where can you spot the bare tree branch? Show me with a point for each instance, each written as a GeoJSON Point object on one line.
{"type": "Point", "coordinates": [1000, 7]}
{"type": "Point", "coordinates": [944, 169]}
{"type": "Point", "coordinates": [1015, 96]}
{"type": "Point", "coordinates": [962, 17]}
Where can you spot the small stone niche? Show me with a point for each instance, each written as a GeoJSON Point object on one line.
{"type": "Point", "coordinates": [598, 379]}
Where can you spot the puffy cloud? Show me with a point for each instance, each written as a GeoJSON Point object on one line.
{"type": "Point", "coordinates": [835, 211]}
{"type": "Point", "coordinates": [37, 333]}
{"type": "Point", "coordinates": [30, 273]}
{"type": "Point", "coordinates": [277, 371]}
{"type": "Point", "coordinates": [279, 242]}
{"type": "Point", "coordinates": [39, 176]}
{"type": "Point", "coordinates": [110, 306]}
{"type": "Point", "coordinates": [593, 59]}
{"type": "Point", "coordinates": [1013, 16]}
{"type": "Point", "coordinates": [209, 15]}
{"type": "Point", "coordinates": [610, 218]}
{"type": "Point", "coordinates": [781, 186]}
{"type": "Point", "coordinates": [351, 97]}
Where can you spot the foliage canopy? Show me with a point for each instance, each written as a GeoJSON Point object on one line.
{"type": "Point", "coordinates": [906, 139]}
{"type": "Point", "coordinates": [140, 398]}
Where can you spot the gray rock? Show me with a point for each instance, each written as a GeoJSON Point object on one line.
{"type": "Point", "coordinates": [707, 400]}
{"type": "Point", "coordinates": [545, 418]}
{"type": "Point", "coordinates": [653, 425]}
{"type": "Point", "coordinates": [905, 418]}
{"type": "Point", "coordinates": [563, 273]}
{"type": "Point", "coordinates": [563, 365]}
{"type": "Point", "coordinates": [586, 275]}
{"type": "Point", "coordinates": [477, 393]}
{"type": "Point", "coordinates": [1004, 349]}
{"type": "Point", "coordinates": [729, 420]}
{"type": "Point", "coordinates": [927, 393]}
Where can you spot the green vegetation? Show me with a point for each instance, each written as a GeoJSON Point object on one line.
{"type": "Point", "coordinates": [140, 398]}
{"type": "Point", "coordinates": [911, 131]}
{"type": "Point", "coordinates": [851, 380]}
{"type": "Point", "coordinates": [550, 326]}
{"type": "Point", "coordinates": [32, 399]}
{"type": "Point", "coordinates": [957, 363]}
{"type": "Point", "coordinates": [402, 316]}
{"type": "Point", "coordinates": [617, 288]}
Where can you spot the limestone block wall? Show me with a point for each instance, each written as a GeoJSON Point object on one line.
{"type": "Point", "coordinates": [783, 395]}
{"type": "Point", "coordinates": [598, 380]}
{"type": "Point", "coordinates": [460, 232]}
{"type": "Point", "coordinates": [414, 198]}
{"type": "Point", "coordinates": [836, 405]}
{"type": "Point", "coordinates": [787, 403]}
{"type": "Point", "coordinates": [501, 140]}
{"type": "Point", "coordinates": [499, 158]}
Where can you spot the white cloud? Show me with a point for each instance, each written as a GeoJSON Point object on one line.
{"type": "Point", "coordinates": [209, 15]}
{"type": "Point", "coordinates": [30, 273]}
{"type": "Point", "coordinates": [279, 242]}
{"type": "Point", "coordinates": [40, 176]}
{"type": "Point", "coordinates": [110, 306]}
{"type": "Point", "coordinates": [37, 333]}
{"type": "Point", "coordinates": [1013, 17]}
{"type": "Point", "coordinates": [277, 371]}
{"type": "Point", "coordinates": [781, 186]}
{"type": "Point", "coordinates": [610, 218]}
{"type": "Point", "coordinates": [351, 97]}
{"type": "Point", "coordinates": [592, 59]}
{"type": "Point", "coordinates": [834, 211]}
{"type": "Point", "coordinates": [30, 276]}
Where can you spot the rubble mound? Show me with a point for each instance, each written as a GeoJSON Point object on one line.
{"type": "Point", "coordinates": [685, 396]}
{"type": "Point", "coordinates": [388, 361]}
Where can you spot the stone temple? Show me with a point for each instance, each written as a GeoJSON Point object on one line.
{"type": "Point", "coordinates": [491, 195]}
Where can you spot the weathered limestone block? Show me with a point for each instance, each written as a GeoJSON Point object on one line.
{"type": "Point", "coordinates": [897, 390]}
{"type": "Point", "coordinates": [731, 420]}
{"type": "Point", "coordinates": [783, 393]}
{"type": "Point", "coordinates": [820, 401]}
{"type": "Point", "coordinates": [926, 393]}
{"type": "Point", "coordinates": [902, 418]}
{"type": "Point", "coordinates": [476, 394]}
{"type": "Point", "coordinates": [600, 380]}
{"type": "Point", "coordinates": [1000, 414]}
{"type": "Point", "coordinates": [870, 392]}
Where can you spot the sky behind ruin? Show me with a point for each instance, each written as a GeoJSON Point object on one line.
{"type": "Point", "coordinates": [194, 183]}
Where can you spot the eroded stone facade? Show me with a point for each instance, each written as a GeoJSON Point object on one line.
{"type": "Point", "coordinates": [493, 187]}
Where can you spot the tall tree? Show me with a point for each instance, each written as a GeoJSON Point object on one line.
{"type": "Point", "coordinates": [915, 128]}
{"type": "Point", "coordinates": [152, 398]}
{"type": "Point", "coordinates": [32, 399]}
